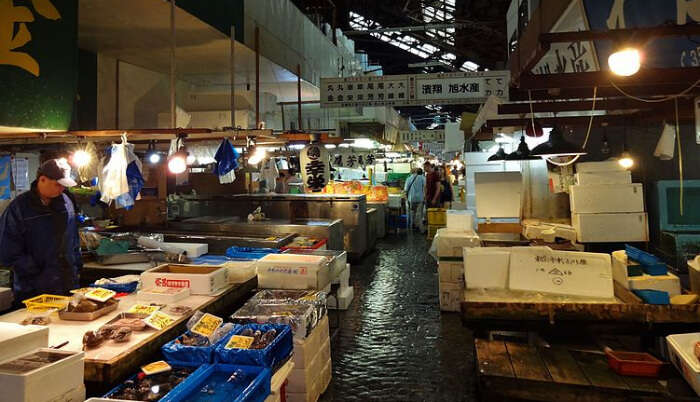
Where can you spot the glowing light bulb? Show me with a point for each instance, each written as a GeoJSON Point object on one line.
{"type": "Point", "coordinates": [625, 62]}
{"type": "Point", "coordinates": [257, 156]}
{"type": "Point", "coordinates": [154, 158]}
{"type": "Point", "coordinates": [81, 158]}
{"type": "Point", "coordinates": [626, 160]}
{"type": "Point", "coordinates": [177, 163]}
{"type": "Point", "coordinates": [191, 159]}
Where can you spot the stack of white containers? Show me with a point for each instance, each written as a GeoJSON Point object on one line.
{"type": "Point", "coordinates": [312, 365]}
{"type": "Point", "coordinates": [450, 243]}
{"type": "Point", "coordinates": [606, 206]}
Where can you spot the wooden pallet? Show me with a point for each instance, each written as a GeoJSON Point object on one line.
{"type": "Point", "coordinates": [514, 371]}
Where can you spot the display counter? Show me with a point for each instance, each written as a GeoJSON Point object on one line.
{"type": "Point", "coordinates": [112, 362]}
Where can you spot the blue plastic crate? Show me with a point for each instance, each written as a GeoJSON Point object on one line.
{"type": "Point", "coordinates": [255, 387]}
{"type": "Point", "coordinates": [250, 253]}
{"type": "Point", "coordinates": [650, 296]}
{"type": "Point", "coordinates": [196, 367]}
{"type": "Point", "coordinates": [642, 257]}
{"type": "Point", "coordinates": [175, 352]}
{"type": "Point", "coordinates": [273, 356]}
{"type": "Point", "coordinates": [119, 287]}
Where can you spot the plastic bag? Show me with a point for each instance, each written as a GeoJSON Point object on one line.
{"type": "Point", "coordinates": [113, 182]}
{"type": "Point", "coordinates": [134, 179]}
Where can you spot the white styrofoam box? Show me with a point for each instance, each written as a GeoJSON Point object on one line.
{"type": "Point", "coordinates": [592, 167]}
{"type": "Point", "coordinates": [16, 339]}
{"type": "Point", "coordinates": [531, 231]}
{"type": "Point", "coordinates": [599, 228]}
{"type": "Point", "coordinates": [293, 271]}
{"type": "Point", "coordinates": [44, 383]}
{"type": "Point", "coordinates": [193, 250]}
{"type": "Point", "coordinates": [561, 272]}
{"type": "Point", "coordinates": [451, 295]}
{"type": "Point", "coordinates": [567, 232]}
{"type": "Point", "coordinates": [450, 243]}
{"type": "Point", "coordinates": [74, 395]}
{"type": "Point", "coordinates": [394, 201]}
{"type": "Point", "coordinates": [694, 274]}
{"type": "Point", "coordinates": [344, 278]}
{"type": "Point", "coordinates": [306, 349]}
{"type": "Point", "coordinates": [302, 379]}
{"type": "Point", "coordinates": [498, 194]}
{"type": "Point", "coordinates": [666, 283]}
{"type": "Point", "coordinates": [619, 267]}
{"type": "Point", "coordinates": [611, 177]}
{"type": "Point", "coordinates": [681, 349]}
{"type": "Point", "coordinates": [163, 295]}
{"type": "Point", "coordinates": [6, 299]}
{"type": "Point", "coordinates": [344, 299]}
{"type": "Point", "coordinates": [460, 220]}
{"type": "Point", "coordinates": [606, 198]}
{"type": "Point", "coordinates": [200, 279]}
{"type": "Point", "coordinates": [240, 271]}
{"type": "Point", "coordinates": [487, 267]}
{"type": "Point", "coordinates": [451, 271]}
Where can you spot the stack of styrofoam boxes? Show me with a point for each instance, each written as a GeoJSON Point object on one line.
{"type": "Point", "coordinates": [451, 241]}
{"type": "Point", "coordinates": [312, 365]}
{"type": "Point", "coordinates": [606, 206]}
{"type": "Point", "coordinates": [345, 292]}
{"type": "Point", "coordinates": [635, 279]}
{"type": "Point", "coordinates": [60, 380]}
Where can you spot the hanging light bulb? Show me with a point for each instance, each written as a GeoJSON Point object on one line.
{"type": "Point", "coordinates": [257, 156]}
{"type": "Point", "coordinates": [81, 158]}
{"type": "Point", "coordinates": [522, 153]}
{"type": "Point", "coordinates": [626, 160]}
{"type": "Point", "coordinates": [152, 155]}
{"type": "Point", "coordinates": [625, 61]}
{"type": "Point", "coordinates": [500, 155]}
{"type": "Point", "coordinates": [178, 162]}
{"type": "Point", "coordinates": [191, 159]}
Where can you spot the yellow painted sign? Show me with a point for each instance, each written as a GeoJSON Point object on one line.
{"type": "Point", "coordinates": [207, 325]}
{"type": "Point", "coordinates": [156, 367]}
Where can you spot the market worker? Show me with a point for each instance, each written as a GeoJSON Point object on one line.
{"type": "Point", "coordinates": [39, 235]}
{"type": "Point", "coordinates": [432, 185]}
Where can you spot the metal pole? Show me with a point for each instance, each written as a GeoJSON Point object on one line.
{"type": "Point", "coordinates": [257, 77]}
{"type": "Point", "coordinates": [233, 77]}
{"type": "Point", "coordinates": [299, 95]}
{"type": "Point", "coordinates": [173, 117]}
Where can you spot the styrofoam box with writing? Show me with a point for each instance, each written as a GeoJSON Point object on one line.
{"type": "Point", "coordinates": [487, 267]}
{"type": "Point", "coordinates": [606, 198]}
{"type": "Point", "coordinates": [451, 295]}
{"type": "Point", "coordinates": [561, 272]}
{"type": "Point", "coordinates": [605, 166]}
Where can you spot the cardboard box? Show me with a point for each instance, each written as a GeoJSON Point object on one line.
{"type": "Point", "coordinates": [451, 295]}
{"type": "Point", "coordinates": [293, 271]}
{"type": "Point", "coordinates": [608, 177]}
{"type": "Point", "coordinates": [305, 350]}
{"type": "Point", "coordinates": [667, 283]}
{"type": "Point", "coordinates": [451, 271]}
{"type": "Point", "coordinates": [606, 198]}
{"type": "Point", "coordinates": [569, 273]}
{"type": "Point", "coordinates": [16, 339]}
{"type": "Point", "coordinates": [603, 228]}
{"type": "Point", "coordinates": [595, 167]}
{"type": "Point", "coordinates": [451, 243]}
{"type": "Point", "coordinates": [200, 279]}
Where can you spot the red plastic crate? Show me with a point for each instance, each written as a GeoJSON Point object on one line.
{"type": "Point", "coordinates": [634, 364]}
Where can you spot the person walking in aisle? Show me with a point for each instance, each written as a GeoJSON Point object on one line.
{"type": "Point", "coordinates": [432, 187]}
{"type": "Point", "coordinates": [415, 188]}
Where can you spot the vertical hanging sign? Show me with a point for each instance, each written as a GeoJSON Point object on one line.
{"type": "Point", "coordinates": [315, 167]}
{"type": "Point", "coordinates": [38, 63]}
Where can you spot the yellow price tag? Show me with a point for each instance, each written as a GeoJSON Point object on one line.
{"type": "Point", "coordinates": [239, 342]}
{"type": "Point", "coordinates": [156, 367]}
{"type": "Point", "coordinates": [159, 320]}
{"type": "Point", "coordinates": [100, 294]}
{"type": "Point", "coordinates": [207, 325]}
{"type": "Point", "coordinates": [143, 309]}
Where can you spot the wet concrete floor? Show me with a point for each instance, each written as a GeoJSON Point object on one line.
{"type": "Point", "coordinates": [394, 344]}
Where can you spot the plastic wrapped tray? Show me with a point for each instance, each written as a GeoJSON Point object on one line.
{"type": "Point", "coordinates": [250, 253]}
{"type": "Point", "coordinates": [302, 318]}
{"type": "Point", "coordinates": [196, 368]}
{"type": "Point", "coordinates": [315, 298]}
{"type": "Point", "coordinates": [254, 387]}
{"type": "Point", "coordinates": [272, 356]}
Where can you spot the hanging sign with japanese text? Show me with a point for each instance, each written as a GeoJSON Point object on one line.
{"type": "Point", "coordinates": [414, 89]}
{"type": "Point", "coordinates": [422, 136]}
{"type": "Point", "coordinates": [315, 169]}
{"type": "Point", "coordinates": [38, 63]}
{"type": "Point", "coordinates": [349, 158]}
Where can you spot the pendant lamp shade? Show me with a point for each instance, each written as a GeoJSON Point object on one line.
{"type": "Point", "coordinates": [522, 153]}
{"type": "Point", "coordinates": [557, 146]}
{"type": "Point", "coordinates": [500, 155]}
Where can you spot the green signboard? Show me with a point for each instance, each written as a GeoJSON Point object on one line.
{"type": "Point", "coordinates": [38, 63]}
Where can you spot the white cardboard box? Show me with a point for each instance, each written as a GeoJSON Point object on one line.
{"type": "Point", "coordinates": [293, 271]}
{"type": "Point", "coordinates": [200, 279]}
{"type": "Point", "coordinates": [240, 271]}
{"type": "Point", "coordinates": [193, 250]}
{"type": "Point", "coordinates": [605, 166]}
{"type": "Point", "coordinates": [681, 350]}
{"type": "Point", "coordinates": [620, 262]}
{"type": "Point", "coordinates": [460, 220]}
{"type": "Point", "coordinates": [606, 198]}
{"type": "Point", "coordinates": [16, 339]}
{"type": "Point", "coordinates": [609, 177]}
{"type": "Point", "coordinates": [598, 228]}
{"type": "Point", "coordinates": [451, 271]}
{"type": "Point", "coordinates": [163, 295]}
{"type": "Point", "coordinates": [345, 297]}
{"type": "Point", "coordinates": [666, 283]}
{"type": "Point", "coordinates": [487, 267]}
{"type": "Point", "coordinates": [561, 272]}
{"type": "Point", "coordinates": [450, 243]}
{"type": "Point", "coordinates": [45, 383]}
{"type": "Point", "coordinates": [451, 296]}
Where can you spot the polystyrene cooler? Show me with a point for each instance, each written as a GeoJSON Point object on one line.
{"type": "Point", "coordinates": [293, 271]}
{"type": "Point", "coordinates": [606, 198]}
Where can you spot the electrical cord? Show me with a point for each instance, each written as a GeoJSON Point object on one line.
{"type": "Point", "coordinates": [590, 122]}
{"type": "Point", "coordinates": [680, 156]}
{"type": "Point", "coordinates": [670, 97]}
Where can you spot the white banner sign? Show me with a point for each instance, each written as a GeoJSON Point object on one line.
{"type": "Point", "coordinates": [315, 168]}
{"type": "Point", "coordinates": [414, 89]}
{"type": "Point", "coordinates": [422, 136]}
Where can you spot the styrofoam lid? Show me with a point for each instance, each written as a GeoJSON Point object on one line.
{"type": "Point", "coordinates": [685, 345]}
{"type": "Point", "coordinates": [10, 330]}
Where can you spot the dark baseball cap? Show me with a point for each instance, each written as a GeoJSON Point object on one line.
{"type": "Point", "coordinates": [57, 169]}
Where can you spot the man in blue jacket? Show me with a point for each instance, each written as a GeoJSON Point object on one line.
{"type": "Point", "coordinates": [39, 237]}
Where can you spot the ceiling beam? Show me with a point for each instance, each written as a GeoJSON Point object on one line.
{"type": "Point", "coordinates": [633, 35]}
{"type": "Point", "coordinates": [583, 105]}
{"type": "Point", "coordinates": [646, 91]}
{"type": "Point", "coordinates": [649, 76]}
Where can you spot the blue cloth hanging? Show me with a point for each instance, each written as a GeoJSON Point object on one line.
{"type": "Point", "coordinates": [226, 158]}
